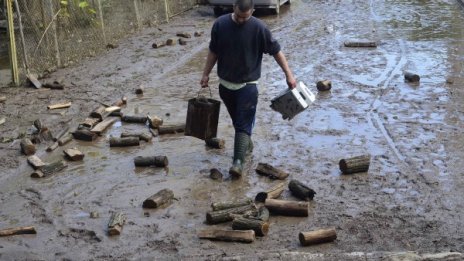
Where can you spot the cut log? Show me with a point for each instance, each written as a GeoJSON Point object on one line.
{"type": "Point", "coordinates": [139, 90]}
{"type": "Point", "coordinates": [90, 122]}
{"type": "Point", "coordinates": [17, 231]}
{"type": "Point", "coordinates": [117, 114]}
{"type": "Point", "coordinates": [124, 142]}
{"type": "Point", "coordinates": [198, 33]}
{"type": "Point", "coordinates": [35, 162]}
{"type": "Point", "coordinates": [272, 193]}
{"type": "Point", "coordinates": [411, 77]}
{"type": "Point", "coordinates": [355, 164]}
{"type": "Point", "coordinates": [65, 139]}
{"type": "Point", "coordinates": [158, 161]}
{"type": "Point", "coordinates": [74, 154]}
{"type": "Point", "coordinates": [300, 190]}
{"type": "Point", "coordinates": [158, 44]}
{"type": "Point", "coordinates": [317, 236]}
{"type": "Point", "coordinates": [134, 119]}
{"type": "Point", "coordinates": [61, 133]}
{"type": "Point", "coordinates": [360, 44]}
{"type": "Point", "coordinates": [162, 197]}
{"type": "Point", "coordinates": [260, 227]}
{"type": "Point", "coordinates": [230, 204]}
{"type": "Point", "coordinates": [59, 106]}
{"type": "Point", "coordinates": [215, 174]}
{"type": "Point", "coordinates": [120, 102]}
{"type": "Point", "coordinates": [2, 120]}
{"type": "Point", "coordinates": [40, 126]}
{"type": "Point", "coordinates": [84, 135]}
{"type": "Point", "coordinates": [184, 35]}
{"type": "Point", "coordinates": [287, 208]}
{"type": "Point", "coordinates": [141, 135]}
{"type": "Point", "coordinates": [215, 143]}
{"type": "Point", "coordinates": [53, 146]}
{"type": "Point", "coordinates": [102, 126]}
{"type": "Point", "coordinates": [116, 223]}
{"type": "Point", "coordinates": [182, 41]}
{"type": "Point", "coordinates": [267, 170]}
{"type": "Point", "coordinates": [221, 216]}
{"type": "Point", "coordinates": [171, 41]}
{"type": "Point", "coordinates": [244, 236]}
{"type": "Point", "coordinates": [27, 147]}
{"type": "Point", "coordinates": [325, 85]}
{"type": "Point", "coordinates": [2, 99]}
{"type": "Point", "coordinates": [49, 169]}
{"type": "Point", "coordinates": [154, 121]}
{"type": "Point", "coordinates": [53, 85]}
{"type": "Point", "coordinates": [100, 113]}
{"type": "Point", "coordinates": [112, 109]}
{"type": "Point", "coordinates": [171, 129]}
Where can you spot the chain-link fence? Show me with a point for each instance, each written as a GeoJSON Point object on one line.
{"type": "Point", "coordinates": [61, 32]}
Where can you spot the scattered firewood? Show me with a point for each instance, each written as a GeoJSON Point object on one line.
{"type": "Point", "coordinates": [182, 41]}
{"type": "Point", "coordinates": [300, 190]}
{"type": "Point", "coordinates": [355, 164]}
{"type": "Point", "coordinates": [102, 126]}
{"type": "Point", "coordinates": [84, 135]}
{"type": "Point", "coordinates": [99, 113]}
{"type": "Point", "coordinates": [74, 154]}
{"type": "Point", "coordinates": [162, 197]}
{"type": "Point", "coordinates": [171, 41]}
{"type": "Point", "coordinates": [116, 223]}
{"type": "Point", "coordinates": [141, 135]}
{"type": "Point", "coordinates": [124, 142]}
{"type": "Point", "coordinates": [35, 162]}
{"type": "Point", "coordinates": [158, 45]}
{"type": "Point", "coordinates": [2, 99]}
{"type": "Point", "coordinates": [260, 227]}
{"type": "Point", "coordinates": [134, 119]}
{"type": "Point", "coordinates": [245, 236]}
{"type": "Point", "coordinates": [144, 161]}
{"type": "Point", "coordinates": [154, 121]}
{"type": "Point", "coordinates": [53, 85]}
{"type": "Point", "coordinates": [2, 120]}
{"type": "Point", "coordinates": [49, 169]}
{"type": "Point", "coordinates": [65, 139]}
{"type": "Point", "coordinates": [287, 208]}
{"type": "Point", "coordinates": [216, 206]}
{"type": "Point", "coordinates": [271, 193]}
{"type": "Point", "coordinates": [198, 33]}
{"type": "Point", "coordinates": [225, 215]}
{"type": "Point", "coordinates": [411, 77]}
{"type": "Point", "coordinates": [215, 143]}
{"type": "Point", "coordinates": [324, 85]}
{"type": "Point", "coordinates": [120, 102]}
{"type": "Point", "coordinates": [265, 169]}
{"type": "Point", "coordinates": [90, 122]}
{"type": "Point", "coordinates": [184, 35]}
{"type": "Point", "coordinates": [59, 106]}
{"type": "Point", "coordinates": [171, 129]}
{"type": "Point", "coordinates": [215, 174]}
{"type": "Point", "coordinates": [27, 147]}
{"type": "Point", "coordinates": [17, 231]}
{"type": "Point", "coordinates": [360, 44]}
{"type": "Point", "coordinates": [317, 236]}
{"type": "Point", "coordinates": [139, 90]}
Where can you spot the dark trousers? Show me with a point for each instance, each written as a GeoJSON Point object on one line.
{"type": "Point", "coordinates": [241, 105]}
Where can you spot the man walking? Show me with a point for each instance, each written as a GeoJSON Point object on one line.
{"type": "Point", "coordinates": [238, 42]}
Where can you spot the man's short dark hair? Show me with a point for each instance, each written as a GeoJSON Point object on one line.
{"type": "Point", "coordinates": [244, 5]}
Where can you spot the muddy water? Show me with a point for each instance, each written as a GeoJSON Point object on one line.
{"type": "Point", "coordinates": [409, 200]}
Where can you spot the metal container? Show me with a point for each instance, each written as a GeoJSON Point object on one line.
{"type": "Point", "coordinates": [291, 102]}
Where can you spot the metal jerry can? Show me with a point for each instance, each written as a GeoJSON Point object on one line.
{"type": "Point", "coordinates": [291, 102]}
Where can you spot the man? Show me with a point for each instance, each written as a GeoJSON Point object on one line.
{"type": "Point", "coordinates": [238, 41]}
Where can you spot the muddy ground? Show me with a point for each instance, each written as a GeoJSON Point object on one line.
{"type": "Point", "coordinates": [410, 200]}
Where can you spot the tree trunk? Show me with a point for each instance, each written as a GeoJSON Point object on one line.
{"type": "Point", "coordinates": [216, 206]}
{"type": "Point", "coordinates": [287, 208]}
{"type": "Point", "coordinates": [49, 169]}
{"type": "Point", "coordinates": [355, 164]}
{"type": "Point", "coordinates": [17, 231]}
{"type": "Point", "coordinates": [162, 197]}
{"type": "Point", "coordinates": [35, 162]}
{"type": "Point", "coordinates": [27, 147]}
{"type": "Point", "coordinates": [215, 143]}
{"type": "Point", "coordinates": [116, 223]}
{"type": "Point", "coordinates": [300, 190]}
{"type": "Point", "coordinates": [215, 217]}
{"type": "Point", "coordinates": [265, 169]}
{"type": "Point", "coordinates": [74, 154]}
{"type": "Point", "coordinates": [144, 161]}
{"type": "Point", "coordinates": [260, 227]}
{"type": "Point", "coordinates": [273, 192]}
{"type": "Point", "coordinates": [102, 126]}
{"type": "Point", "coordinates": [317, 236]}
{"type": "Point", "coordinates": [245, 236]}
{"type": "Point", "coordinates": [171, 129]}
{"type": "Point", "coordinates": [124, 142]}
{"type": "Point", "coordinates": [134, 119]}
{"type": "Point", "coordinates": [84, 135]}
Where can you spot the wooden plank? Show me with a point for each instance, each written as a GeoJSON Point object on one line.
{"type": "Point", "coordinates": [59, 106]}
{"type": "Point", "coordinates": [102, 126]}
{"type": "Point", "coordinates": [17, 231]}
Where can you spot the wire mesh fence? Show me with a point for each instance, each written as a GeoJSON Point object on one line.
{"type": "Point", "coordinates": [62, 32]}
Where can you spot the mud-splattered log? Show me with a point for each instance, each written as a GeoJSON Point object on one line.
{"type": "Point", "coordinates": [90, 122]}
{"type": "Point", "coordinates": [141, 135]}
{"type": "Point", "coordinates": [287, 208]}
{"type": "Point", "coordinates": [411, 77]}
{"type": "Point", "coordinates": [120, 102]}
{"type": "Point", "coordinates": [100, 113]}
{"type": "Point", "coordinates": [355, 164]}
{"type": "Point", "coordinates": [116, 223]}
{"type": "Point", "coordinates": [163, 197]}
{"type": "Point", "coordinates": [65, 139]}
{"type": "Point", "coordinates": [2, 99]}
{"type": "Point", "coordinates": [146, 161]}
{"type": "Point", "coordinates": [102, 126]}
{"type": "Point", "coordinates": [230, 204]}
{"type": "Point", "coordinates": [154, 121]}
{"type": "Point", "coordinates": [244, 236]}
{"type": "Point", "coordinates": [171, 129]}
{"type": "Point", "coordinates": [74, 154]}
{"type": "Point", "coordinates": [59, 106]}
{"type": "Point", "coordinates": [35, 162]}
{"type": "Point", "coordinates": [39, 125]}
{"type": "Point", "coordinates": [265, 169]}
{"type": "Point", "coordinates": [324, 85]}
{"type": "Point", "coordinates": [124, 142]}
{"type": "Point", "coordinates": [171, 41]}
{"type": "Point", "coordinates": [216, 217]}
{"type": "Point", "coordinates": [215, 143]}
{"type": "Point", "coordinates": [158, 44]}
{"type": "Point", "coordinates": [17, 231]}
{"type": "Point", "coordinates": [49, 169]}
{"type": "Point", "coordinates": [84, 135]}
{"type": "Point", "coordinates": [317, 236]}
{"type": "Point", "coordinates": [134, 119]}
{"type": "Point", "coordinates": [139, 90]}
{"type": "Point", "coordinates": [53, 85]}
{"type": "Point", "coordinates": [273, 192]}
{"type": "Point", "coordinates": [260, 227]}
{"type": "Point", "coordinates": [300, 190]}
{"type": "Point", "coordinates": [215, 174]}
{"type": "Point", "coordinates": [27, 147]}
{"type": "Point", "coordinates": [360, 44]}
{"type": "Point", "coordinates": [184, 35]}
{"type": "Point", "coordinates": [61, 133]}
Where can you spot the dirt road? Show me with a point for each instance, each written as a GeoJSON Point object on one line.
{"type": "Point", "coordinates": [410, 200]}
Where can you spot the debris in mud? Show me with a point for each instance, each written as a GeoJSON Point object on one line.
{"type": "Point", "coordinates": [145, 136]}
{"type": "Point", "coordinates": [112, 46]}
{"type": "Point", "coordinates": [226, 215]}
{"type": "Point", "coordinates": [411, 77]}
{"type": "Point", "coordinates": [317, 236]}
{"type": "Point", "coordinates": [215, 143]}
{"type": "Point", "coordinates": [158, 45]}
{"type": "Point", "coordinates": [287, 207]}
{"type": "Point", "coordinates": [221, 205]}
{"type": "Point", "coordinates": [35, 162]}
{"type": "Point", "coordinates": [171, 41]}
{"type": "Point", "coordinates": [55, 85]}
{"type": "Point", "coordinates": [182, 41]}
{"type": "Point", "coordinates": [2, 99]}
{"type": "Point", "coordinates": [124, 142]}
{"type": "Point", "coordinates": [139, 90]}
{"type": "Point", "coordinates": [260, 227]}
{"type": "Point", "coordinates": [116, 223]}
{"type": "Point", "coordinates": [2, 120]}
{"type": "Point", "coordinates": [154, 121]}
{"type": "Point", "coordinates": [59, 106]}
{"type": "Point", "coordinates": [355, 164]}
{"type": "Point", "coordinates": [80, 234]}
{"type": "Point", "coordinates": [94, 214]}
{"type": "Point", "coordinates": [74, 154]}
{"type": "Point", "coordinates": [27, 147]}
{"type": "Point", "coordinates": [184, 35]}
{"type": "Point", "coordinates": [65, 139]}
{"type": "Point", "coordinates": [84, 135]}
{"type": "Point", "coordinates": [300, 190]}
{"type": "Point", "coordinates": [163, 197]}
{"type": "Point", "coordinates": [324, 85]}
{"type": "Point", "coordinates": [215, 174]}
{"type": "Point", "coordinates": [198, 33]}
{"type": "Point", "coordinates": [134, 119]}
{"type": "Point", "coordinates": [360, 44]}
{"type": "Point", "coordinates": [244, 236]}
{"type": "Point", "coordinates": [171, 129]}
{"type": "Point", "coordinates": [267, 170]}
{"type": "Point", "coordinates": [146, 161]}
{"type": "Point", "coordinates": [49, 169]}
{"type": "Point", "coordinates": [272, 193]}
{"type": "Point", "coordinates": [102, 126]}
{"type": "Point", "coordinates": [17, 231]}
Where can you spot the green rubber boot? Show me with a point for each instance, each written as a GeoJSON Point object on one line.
{"type": "Point", "coordinates": [241, 144]}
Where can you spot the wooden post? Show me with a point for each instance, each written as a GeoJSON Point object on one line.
{"type": "Point", "coordinates": [300, 190]}
{"type": "Point", "coordinates": [360, 44]}
{"type": "Point", "coordinates": [166, 8]}
{"type": "Point", "coordinates": [102, 22]}
{"type": "Point", "coordinates": [116, 223]}
{"type": "Point", "coordinates": [273, 192]}
{"type": "Point", "coordinates": [137, 15]}
{"type": "Point", "coordinates": [317, 236]}
{"type": "Point", "coordinates": [162, 197]}
{"type": "Point", "coordinates": [244, 236]}
{"type": "Point", "coordinates": [55, 33]}
{"type": "Point", "coordinates": [12, 45]}
{"type": "Point", "coordinates": [265, 169]}
{"type": "Point", "coordinates": [17, 231]}
{"type": "Point", "coordinates": [355, 164]}
{"type": "Point", "coordinates": [287, 208]}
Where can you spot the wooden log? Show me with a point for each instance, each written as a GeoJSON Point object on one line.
{"type": "Point", "coordinates": [215, 174]}
{"type": "Point", "coordinates": [300, 190]}
{"type": "Point", "coordinates": [124, 142]}
{"type": "Point", "coordinates": [265, 169]}
{"type": "Point", "coordinates": [411, 77]}
{"type": "Point", "coordinates": [90, 122]}
{"type": "Point", "coordinates": [221, 205]}
{"type": "Point", "coordinates": [53, 85]}
{"type": "Point", "coordinates": [273, 192]}
{"type": "Point", "coordinates": [198, 33]}
{"type": "Point", "coordinates": [171, 41]}
{"type": "Point", "coordinates": [102, 126]}
{"type": "Point", "coordinates": [355, 164]}
{"type": "Point", "coordinates": [141, 135]}
{"type": "Point", "coordinates": [154, 121]}
{"type": "Point", "coordinates": [182, 41]}
{"type": "Point", "coordinates": [40, 126]}
{"type": "Point", "coordinates": [59, 106]}
{"type": "Point", "coordinates": [171, 129]}
{"type": "Point", "coordinates": [360, 44]}
{"type": "Point", "coordinates": [287, 208]}
{"type": "Point", "coordinates": [35, 162]}
{"type": "Point", "coordinates": [2, 99]}
{"type": "Point", "coordinates": [74, 154]}
{"type": "Point", "coordinates": [215, 143]}
{"type": "Point", "coordinates": [116, 223]}
{"type": "Point", "coordinates": [61, 134]}
{"type": "Point", "coordinates": [184, 35]}
{"type": "Point", "coordinates": [65, 139]}
{"type": "Point", "coordinates": [317, 236]}
{"type": "Point", "coordinates": [221, 216]}
{"type": "Point", "coordinates": [84, 135]}
{"type": "Point", "coordinates": [324, 85]}
{"type": "Point", "coordinates": [244, 236]}
{"type": "Point", "coordinates": [260, 227]}
{"type": "Point", "coordinates": [144, 161]}
{"type": "Point", "coordinates": [49, 169]}
{"type": "Point", "coordinates": [17, 231]}
{"type": "Point", "coordinates": [2, 120]}
{"type": "Point", "coordinates": [117, 114]}
{"type": "Point", "coordinates": [99, 113]}
{"type": "Point", "coordinates": [162, 197]}
{"type": "Point", "coordinates": [27, 147]}
{"type": "Point", "coordinates": [134, 119]}
{"type": "Point", "coordinates": [121, 102]}
{"type": "Point", "coordinates": [158, 44]}
{"type": "Point", "coordinates": [139, 90]}
{"type": "Point", "coordinates": [53, 146]}
{"type": "Point", "coordinates": [112, 109]}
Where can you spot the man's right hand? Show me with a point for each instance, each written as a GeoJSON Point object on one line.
{"type": "Point", "coordinates": [204, 81]}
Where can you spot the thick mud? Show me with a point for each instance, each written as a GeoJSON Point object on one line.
{"type": "Point", "coordinates": [410, 200]}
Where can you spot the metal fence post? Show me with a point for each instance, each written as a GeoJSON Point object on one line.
{"type": "Point", "coordinates": [12, 45]}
